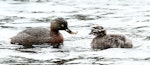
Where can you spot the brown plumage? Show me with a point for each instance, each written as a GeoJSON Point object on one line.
{"type": "Point", "coordinates": [39, 35]}
{"type": "Point", "coordinates": [104, 40]}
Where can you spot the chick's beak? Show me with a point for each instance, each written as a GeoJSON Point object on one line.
{"type": "Point", "coordinates": [90, 33]}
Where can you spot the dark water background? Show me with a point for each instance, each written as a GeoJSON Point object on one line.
{"type": "Point", "coordinates": [128, 17]}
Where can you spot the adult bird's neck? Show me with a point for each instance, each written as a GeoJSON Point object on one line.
{"type": "Point", "coordinates": [54, 32]}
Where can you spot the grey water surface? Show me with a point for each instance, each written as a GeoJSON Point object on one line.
{"type": "Point", "coordinates": [128, 17]}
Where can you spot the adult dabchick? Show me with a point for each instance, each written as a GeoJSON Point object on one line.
{"type": "Point", "coordinates": [39, 35]}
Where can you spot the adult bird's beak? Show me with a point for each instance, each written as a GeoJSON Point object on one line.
{"type": "Point", "coordinates": [69, 31]}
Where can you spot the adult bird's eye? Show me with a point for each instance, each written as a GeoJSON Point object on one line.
{"type": "Point", "coordinates": [62, 25]}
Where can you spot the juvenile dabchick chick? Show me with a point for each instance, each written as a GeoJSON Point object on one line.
{"type": "Point", "coordinates": [105, 41]}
